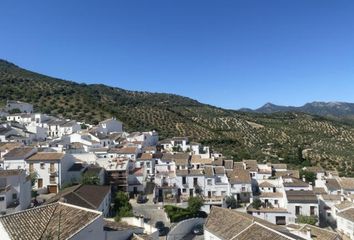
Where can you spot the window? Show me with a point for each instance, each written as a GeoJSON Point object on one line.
{"type": "Point", "coordinates": [31, 167]}
{"type": "Point", "coordinates": [51, 167]}
{"type": "Point", "coordinates": [275, 201]}
{"type": "Point", "coordinates": [209, 181]}
{"type": "Point", "coordinates": [312, 210]}
{"type": "Point", "coordinates": [42, 165]}
{"type": "Point", "coordinates": [52, 179]}
{"type": "Point", "coordinates": [14, 196]}
{"type": "Point", "coordinates": [2, 199]}
{"type": "Point", "coordinates": [243, 189]}
{"type": "Point", "coordinates": [184, 181]}
{"type": "Point", "coordinates": [297, 210]}
{"type": "Point", "coordinates": [184, 190]}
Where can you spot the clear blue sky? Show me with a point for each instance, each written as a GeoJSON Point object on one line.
{"type": "Point", "coordinates": [232, 54]}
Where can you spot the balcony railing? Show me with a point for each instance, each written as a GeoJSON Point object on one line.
{"type": "Point", "coordinates": [213, 199]}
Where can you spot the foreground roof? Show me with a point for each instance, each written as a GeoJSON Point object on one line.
{"type": "Point", "coordinates": [230, 224]}
{"type": "Point", "coordinates": [42, 222]}
{"type": "Point", "coordinates": [87, 196]}
{"type": "Point", "coordinates": [319, 233]}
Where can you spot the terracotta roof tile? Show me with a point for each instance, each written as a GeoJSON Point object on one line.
{"type": "Point", "coordinates": [46, 220]}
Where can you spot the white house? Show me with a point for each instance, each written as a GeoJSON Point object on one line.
{"type": "Point", "coordinates": [16, 158]}
{"type": "Point", "coordinates": [216, 186]}
{"type": "Point", "coordinates": [51, 169]}
{"type": "Point", "coordinates": [345, 222]}
{"type": "Point", "coordinates": [240, 184]}
{"type": "Point", "coordinates": [15, 191]}
{"type": "Point", "coordinates": [22, 106]}
{"type": "Point", "coordinates": [180, 142]}
{"type": "Point", "coordinates": [109, 126]}
{"type": "Point", "coordinates": [304, 203]}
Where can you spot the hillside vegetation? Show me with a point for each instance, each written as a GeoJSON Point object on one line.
{"type": "Point", "coordinates": [299, 139]}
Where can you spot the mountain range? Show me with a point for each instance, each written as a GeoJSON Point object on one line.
{"type": "Point", "coordinates": [329, 109]}
{"type": "Point", "coordinates": [295, 138]}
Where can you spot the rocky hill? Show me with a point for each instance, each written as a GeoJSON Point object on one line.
{"type": "Point", "coordinates": [295, 138]}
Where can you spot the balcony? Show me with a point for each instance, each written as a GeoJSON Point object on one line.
{"type": "Point", "coordinates": [52, 171]}
{"type": "Point", "coordinates": [213, 200]}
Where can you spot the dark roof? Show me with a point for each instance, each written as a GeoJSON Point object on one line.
{"type": "Point", "coordinates": [94, 170]}
{"type": "Point", "coordinates": [76, 167]}
{"type": "Point", "coordinates": [4, 130]}
{"type": "Point", "coordinates": [18, 153]}
{"type": "Point", "coordinates": [4, 173]}
{"type": "Point", "coordinates": [239, 176]}
{"type": "Point", "coordinates": [42, 222]}
{"type": "Point", "coordinates": [301, 197]}
{"type": "Point", "coordinates": [88, 196]}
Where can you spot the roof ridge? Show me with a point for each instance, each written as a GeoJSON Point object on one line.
{"type": "Point", "coordinates": [51, 216]}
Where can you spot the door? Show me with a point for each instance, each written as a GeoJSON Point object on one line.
{"type": "Point", "coordinates": [191, 192]}
{"type": "Point", "coordinates": [53, 189]}
{"type": "Point", "coordinates": [40, 182]}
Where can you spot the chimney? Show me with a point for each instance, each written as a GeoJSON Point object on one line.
{"type": "Point", "coordinates": [341, 198]}
{"type": "Point", "coordinates": [303, 178]}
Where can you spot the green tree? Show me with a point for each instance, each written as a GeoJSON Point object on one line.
{"type": "Point", "coordinates": [309, 176]}
{"type": "Point", "coordinates": [122, 206]}
{"type": "Point", "coordinates": [33, 176]}
{"type": "Point", "coordinates": [231, 202]}
{"type": "Point", "coordinates": [257, 204]}
{"type": "Point", "coordinates": [90, 179]}
{"type": "Point", "coordinates": [195, 204]}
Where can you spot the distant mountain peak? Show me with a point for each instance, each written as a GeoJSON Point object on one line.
{"type": "Point", "coordinates": [332, 108]}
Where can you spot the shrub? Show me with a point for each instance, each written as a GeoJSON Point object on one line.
{"type": "Point", "coordinates": [177, 214]}
{"type": "Point", "coordinates": [256, 204]}
{"type": "Point", "coordinates": [195, 204]}
{"type": "Point", "coordinates": [312, 220]}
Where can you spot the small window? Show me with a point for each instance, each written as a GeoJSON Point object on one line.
{"type": "Point", "coordinates": [42, 165]}
{"type": "Point", "coordinates": [210, 182]}
{"type": "Point", "coordinates": [2, 199]}
{"type": "Point", "coordinates": [275, 201]}
{"type": "Point", "coordinates": [184, 190]}
{"type": "Point", "coordinates": [14, 196]}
